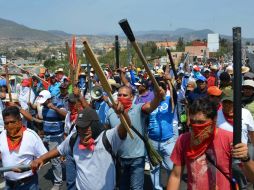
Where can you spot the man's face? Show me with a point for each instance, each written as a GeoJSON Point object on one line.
{"type": "Point", "coordinates": [206, 74]}
{"type": "Point", "coordinates": [74, 107]}
{"type": "Point", "coordinates": [227, 108]}
{"type": "Point", "coordinates": [85, 134]}
{"type": "Point", "coordinates": [12, 125]}
{"type": "Point", "coordinates": [199, 118]}
{"type": "Point", "coordinates": [52, 80]}
{"type": "Point", "coordinates": [215, 99]}
{"type": "Point", "coordinates": [201, 84]}
{"type": "Point", "coordinates": [248, 91]}
{"type": "Point", "coordinates": [125, 93]}
{"type": "Point", "coordinates": [63, 91]}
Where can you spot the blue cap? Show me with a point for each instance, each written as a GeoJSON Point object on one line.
{"type": "Point", "coordinates": [201, 77]}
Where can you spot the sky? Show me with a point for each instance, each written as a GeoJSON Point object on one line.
{"type": "Point", "coordinates": [102, 16]}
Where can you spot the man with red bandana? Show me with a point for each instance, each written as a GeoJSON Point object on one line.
{"type": "Point", "coordinates": [132, 151]}
{"type": "Point", "coordinates": [75, 105]}
{"type": "Point", "coordinates": [225, 121]}
{"type": "Point", "coordinates": [197, 149]}
{"type": "Point", "coordinates": [16, 149]}
{"type": "Point", "coordinates": [95, 167]}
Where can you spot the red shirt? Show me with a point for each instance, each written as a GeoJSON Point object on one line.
{"type": "Point", "coordinates": [201, 173]}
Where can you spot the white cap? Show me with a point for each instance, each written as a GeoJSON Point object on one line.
{"type": "Point", "coordinates": [43, 96]}
{"type": "Point", "coordinates": [248, 83]}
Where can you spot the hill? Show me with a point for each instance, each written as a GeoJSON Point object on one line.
{"type": "Point", "coordinates": [13, 31]}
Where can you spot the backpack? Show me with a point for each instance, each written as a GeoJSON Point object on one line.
{"type": "Point", "coordinates": [105, 142]}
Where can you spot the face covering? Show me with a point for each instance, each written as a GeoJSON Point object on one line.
{"type": "Point", "coordinates": [14, 141]}
{"type": "Point", "coordinates": [230, 120]}
{"type": "Point", "coordinates": [201, 137]}
{"type": "Point", "coordinates": [127, 102]}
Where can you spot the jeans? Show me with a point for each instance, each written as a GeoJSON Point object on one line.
{"type": "Point", "coordinates": [70, 173]}
{"type": "Point", "coordinates": [53, 142]}
{"type": "Point", "coordinates": [132, 177]}
{"type": "Point", "coordinates": [164, 149]}
{"type": "Point", "coordinates": [31, 185]}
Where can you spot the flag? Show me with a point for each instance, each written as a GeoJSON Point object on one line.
{"type": "Point", "coordinates": [73, 56]}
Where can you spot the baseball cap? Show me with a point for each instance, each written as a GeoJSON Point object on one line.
{"type": "Point", "coordinates": [214, 91]}
{"type": "Point", "coordinates": [228, 95]}
{"type": "Point", "coordinates": [201, 78]}
{"type": "Point", "coordinates": [86, 117]}
{"type": "Point", "coordinates": [43, 96]}
{"type": "Point", "coordinates": [248, 83]}
{"type": "Point", "coordinates": [249, 75]}
{"type": "Point", "coordinates": [72, 98]}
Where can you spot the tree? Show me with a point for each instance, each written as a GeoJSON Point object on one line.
{"type": "Point", "coordinates": [23, 53]}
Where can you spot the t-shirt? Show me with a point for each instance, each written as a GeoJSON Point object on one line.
{"type": "Point", "coordinates": [201, 173]}
{"type": "Point", "coordinates": [130, 148]}
{"type": "Point", "coordinates": [147, 97]}
{"type": "Point", "coordinates": [52, 121]}
{"type": "Point", "coordinates": [101, 109]}
{"type": "Point", "coordinates": [95, 169]}
{"type": "Point", "coordinates": [31, 147]}
{"type": "Point", "coordinates": [247, 123]}
{"type": "Point", "coordinates": [54, 89]}
{"type": "Point", "coordinates": [161, 126]}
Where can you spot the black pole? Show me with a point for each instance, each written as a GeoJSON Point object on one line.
{"type": "Point", "coordinates": [117, 52]}
{"type": "Point", "coordinates": [237, 61]}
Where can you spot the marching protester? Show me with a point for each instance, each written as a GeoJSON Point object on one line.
{"type": "Point", "coordinates": [16, 150]}
{"type": "Point", "coordinates": [89, 150]}
{"type": "Point", "coordinates": [163, 133]}
{"type": "Point", "coordinates": [75, 105]}
{"type": "Point", "coordinates": [132, 151]}
{"type": "Point", "coordinates": [206, 151]}
{"type": "Point", "coordinates": [53, 128]}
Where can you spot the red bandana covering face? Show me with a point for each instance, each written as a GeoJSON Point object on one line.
{"type": "Point", "coordinates": [230, 120]}
{"type": "Point", "coordinates": [90, 145]}
{"type": "Point", "coordinates": [202, 135]}
{"type": "Point", "coordinates": [15, 142]}
{"type": "Point", "coordinates": [127, 102]}
{"type": "Point", "coordinates": [74, 113]}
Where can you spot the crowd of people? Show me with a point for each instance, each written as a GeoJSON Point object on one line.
{"type": "Point", "coordinates": [188, 121]}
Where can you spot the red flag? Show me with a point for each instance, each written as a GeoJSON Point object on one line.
{"type": "Point", "coordinates": [73, 56]}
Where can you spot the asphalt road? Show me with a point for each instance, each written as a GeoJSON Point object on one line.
{"type": "Point", "coordinates": [46, 179]}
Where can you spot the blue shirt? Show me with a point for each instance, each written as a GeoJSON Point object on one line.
{"type": "Point", "coordinates": [130, 148]}
{"type": "Point", "coordinates": [52, 121]}
{"type": "Point", "coordinates": [101, 109]}
{"type": "Point", "coordinates": [160, 126]}
{"type": "Point", "coordinates": [54, 89]}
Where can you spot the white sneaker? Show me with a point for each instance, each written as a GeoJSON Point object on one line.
{"type": "Point", "coordinates": [147, 166]}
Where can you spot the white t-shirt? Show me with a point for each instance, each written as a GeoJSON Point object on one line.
{"type": "Point", "coordinates": [247, 123]}
{"type": "Point", "coordinates": [95, 169]}
{"type": "Point", "coordinates": [31, 147]}
{"type": "Point", "coordinates": [68, 124]}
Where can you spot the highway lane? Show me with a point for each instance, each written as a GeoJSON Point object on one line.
{"type": "Point", "coordinates": [46, 179]}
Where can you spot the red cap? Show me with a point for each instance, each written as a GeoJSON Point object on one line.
{"type": "Point", "coordinates": [214, 91]}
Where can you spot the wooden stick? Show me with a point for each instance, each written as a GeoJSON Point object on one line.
{"type": "Point", "coordinates": [128, 32]}
{"type": "Point", "coordinates": [30, 73]}
{"type": "Point", "coordinates": [8, 82]}
{"type": "Point", "coordinates": [107, 88]}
